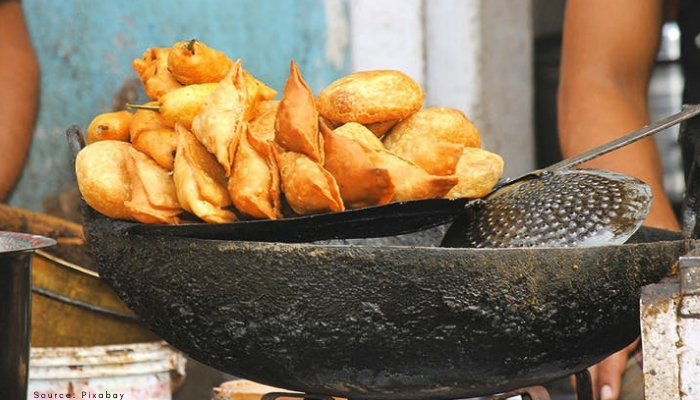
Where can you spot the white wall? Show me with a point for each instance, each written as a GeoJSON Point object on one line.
{"type": "Point", "coordinates": [475, 55]}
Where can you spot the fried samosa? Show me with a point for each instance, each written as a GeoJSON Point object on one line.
{"type": "Point", "coordinates": [200, 181]}
{"type": "Point", "coordinates": [150, 135]}
{"type": "Point", "coordinates": [263, 126]}
{"type": "Point", "coordinates": [258, 93]}
{"type": "Point", "coordinates": [153, 71]}
{"type": "Point", "coordinates": [376, 98]}
{"type": "Point", "coordinates": [478, 171]}
{"type": "Point", "coordinates": [153, 198]}
{"type": "Point", "coordinates": [220, 122]}
{"type": "Point", "coordinates": [254, 185]}
{"type": "Point", "coordinates": [354, 167]}
{"type": "Point", "coordinates": [411, 181]}
{"type": "Point", "coordinates": [307, 186]}
{"type": "Point", "coordinates": [193, 62]}
{"type": "Point", "coordinates": [110, 126]}
{"type": "Point", "coordinates": [296, 125]}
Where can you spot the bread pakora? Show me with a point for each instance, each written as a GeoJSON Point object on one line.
{"type": "Point", "coordinates": [103, 179]}
{"type": "Point", "coordinates": [433, 138]}
{"type": "Point", "coordinates": [478, 172]}
{"type": "Point", "coordinates": [371, 97]}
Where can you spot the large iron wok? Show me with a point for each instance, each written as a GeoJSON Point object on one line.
{"type": "Point", "coordinates": [383, 322]}
{"type": "Point", "coordinates": [367, 322]}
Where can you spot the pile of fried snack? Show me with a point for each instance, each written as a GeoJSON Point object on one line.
{"type": "Point", "coordinates": [215, 144]}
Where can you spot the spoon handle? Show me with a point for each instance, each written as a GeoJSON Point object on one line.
{"type": "Point", "coordinates": [630, 138]}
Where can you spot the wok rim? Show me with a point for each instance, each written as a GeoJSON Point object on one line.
{"type": "Point", "coordinates": [124, 227]}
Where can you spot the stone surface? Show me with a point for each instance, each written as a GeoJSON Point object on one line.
{"type": "Point", "coordinates": [670, 326]}
{"type": "Point", "coordinates": [659, 338]}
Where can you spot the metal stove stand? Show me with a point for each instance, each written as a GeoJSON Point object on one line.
{"type": "Point", "coordinates": [584, 391]}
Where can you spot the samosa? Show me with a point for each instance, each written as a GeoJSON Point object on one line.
{"type": "Point", "coordinates": [355, 168]}
{"type": "Point", "coordinates": [307, 186]}
{"type": "Point", "coordinates": [219, 124]}
{"type": "Point", "coordinates": [200, 181]}
{"type": "Point", "coordinates": [296, 126]}
{"type": "Point", "coordinates": [254, 185]}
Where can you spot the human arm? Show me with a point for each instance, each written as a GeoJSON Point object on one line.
{"type": "Point", "coordinates": [19, 80]}
{"type": "Point", "coordinates": [607, 59]}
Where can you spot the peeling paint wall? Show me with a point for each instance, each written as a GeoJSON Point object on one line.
{"type": "Point", "coordinates": [85, 50]}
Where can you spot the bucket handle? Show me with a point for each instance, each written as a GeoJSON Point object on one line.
{"type": "Point", "coordinates": [65, 299]}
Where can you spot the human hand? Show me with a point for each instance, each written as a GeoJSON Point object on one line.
{"type": "Point", "coordinates": [606, 376]}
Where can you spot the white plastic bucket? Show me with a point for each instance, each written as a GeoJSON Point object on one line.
{"type": "Point", "coordinates": [139, 371]}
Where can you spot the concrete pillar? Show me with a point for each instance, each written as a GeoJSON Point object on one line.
{"type": "Point", "coordinates": [670, 324]}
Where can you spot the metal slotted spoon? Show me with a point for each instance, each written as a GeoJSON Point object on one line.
{"type": "Point", "coordinates": [562, 207]}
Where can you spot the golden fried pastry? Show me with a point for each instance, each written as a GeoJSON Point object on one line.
{"type": "Point", "coordinates": [263, 126]}
{"type": "Point", "coordinates": [103, 179]}
{"type": "Point", "coordinates": [411, 181]}
{"type": "Point", "coordinates": [354, 167]}
{"type": "Point", "coordinates": [478, 171]}
{"type": "Point", "coordinates": [258, 92]}
{"type": "Point", "coordinates": [200, 182]}
{"type": "Point", "coordinates": [219, 124]}
{"type": "Point", "coordinates": [307, 186]}
{"type": "Point", "coordinates": [193, 62]}
{"type": "Point", "coordinates": [150, 135]}
{"type": "Point", "coordinates": [381, 128]}
{"type": "Point", "coordinates": [433, 138]}
{"type": "Point", "coordinates": [110, 126]}
{"type": "Point", "coordinates": [153, 198]}
{"type": "Point", "coordinates": [254, 185]}
{"type": "Point", "coordinates": [370, 97]}
{"type": "Point", "coordinates": [296, 125]}
{"type": "Point", "coordinates": [183, 104]}
{"type": "Point", "coordinates": [153, 72]}
{"type": "Point", "coordinates": [361, 134]}
{"type": "Point", "coordinates": [442, 124]}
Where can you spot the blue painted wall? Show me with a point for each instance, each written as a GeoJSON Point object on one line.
{"type": "Point", "coordinates": [85, 49]}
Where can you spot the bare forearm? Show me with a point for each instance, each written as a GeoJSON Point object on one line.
{"type": "Point", "coordinates": [603, 115]}
{"type": "Point", "coordinates": [19, 78]}
{"type": "Point", "coordinates": [608, 58]}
